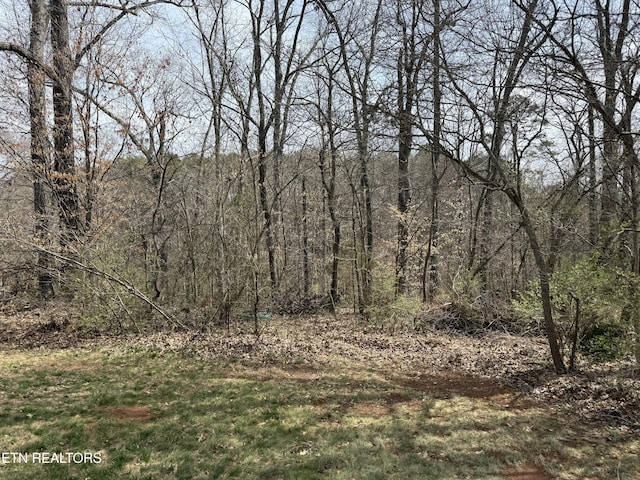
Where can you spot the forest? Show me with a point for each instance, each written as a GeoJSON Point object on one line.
{"type": "Point", "coordinates": [427, 165]}
{"type": "Point", "coordinates": [225, 158]}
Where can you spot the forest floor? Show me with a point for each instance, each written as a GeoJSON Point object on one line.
{"type": "Point", "coordinates": [585, 425]}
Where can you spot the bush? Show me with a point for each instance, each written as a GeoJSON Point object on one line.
{"type": "Point", "coordinates": [605, 341]}
{"type": "Point", "coordinates": [388, 310]}
{"type": "Point", "coordinates": [591, 304]}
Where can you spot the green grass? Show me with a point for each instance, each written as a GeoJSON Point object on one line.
{"type": "Point", "coordinates": [165, 416]}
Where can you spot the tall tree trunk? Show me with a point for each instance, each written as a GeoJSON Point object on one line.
{"type": "Point", "coordinates": [40, 147]}
{"type": "Point", "coordinates": [611, 52]}
{"type": "Point", "coordinates": [358, 85]}
{"type": "Point", "coordinates": [486, 231]}
{"type": "Point", "coordinates": [305, 240]}
{"type": "Point", "coordinates": [263, 127]}
{"type": "Point", "coordinates": [543, 275]}
{"type": "Point", "coordinates": [408, 63]}
{"type": "Point", "coordinates": [328, 175]}
{"type": "Point", "coordinates": [412, 56]}
{"type": "Point", "coordinates": [277, 133]}
{"type": "Point", "coordinates": [405, 67]}
{"type": "Point", "coordinates": [592, 179]}
{"type": "Point", "coordinates": [367, 244]}
{"type": "Point", "coordinates": [435, 157]}
{"type": "Point", "coordinates": [64, 163]}
{"type": "Point", "coordinates": [404, 193]}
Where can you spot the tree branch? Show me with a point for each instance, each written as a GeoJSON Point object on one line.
{"type": "Point", "coordinates": [93, 270]}
{"type": "Point", "coordinates": [28, 57]}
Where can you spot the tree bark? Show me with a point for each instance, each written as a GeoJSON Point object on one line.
{"type": "Point", "coordinates": [611, 52]}
{"type": "Point", "coordinates": [64, 164]}
{"type": "Point", "coordinates": [434, 228]}
{"type": "Point", "coordinates": [592, 178]}
{"type": "Point", "coordinates": [358, 88]}
{"type": "Point", "coordinates": [543, 275]}
{"type": "Point", "coordinates": [411, 59]}
{"type": "Point", "coordinates": [305, 240]}
{"type": "Point", "coordinates": [328, 176]}
{"type": "Point", "coordinates": [40, 147]}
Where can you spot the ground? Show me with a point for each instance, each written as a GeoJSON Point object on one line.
{"type": "Point", "coordinates": [504, 377]}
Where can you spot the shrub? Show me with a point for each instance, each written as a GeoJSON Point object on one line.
{"type": "Point", "coordinates": [605, 341]}
{"type": "Point", "coordinates": [593, 306]}
{"type": "Point", "coordinates": [388, 310]}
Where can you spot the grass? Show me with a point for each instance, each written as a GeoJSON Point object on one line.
{"type": "Point", "coordinates": [156, 415]}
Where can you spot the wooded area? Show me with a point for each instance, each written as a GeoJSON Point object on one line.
{"type": "Point", "coordinates": [200, 162]}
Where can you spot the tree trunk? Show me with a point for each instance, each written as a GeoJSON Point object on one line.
{"type": "Point", "coordinates": [40, 147]}
{"type": "Point", "coordinates": [358, 86]}
{"type": "Point", "coordinates": [367, 251]}
{"type": "Point", "coordinates": [593, 181]}
{"type": "Point", "coordinates": [543, 275]}
{"type": "Point", "coordinates": [263, 127]}
{"type": "Point", "coordinates": [328, 175]}
{"type": "Point", "coordinates": [404, 200]}
{"type": "Point", "coordinates": [404, 70]}
{"type": "Point", "coordinates": [435, 156]}
{"type": "Point", "coordinates": [611, 52]}
{"type": "Point", "coordinates": [64, 164]}
{"type": "Point", "coordinates": [305, 241]}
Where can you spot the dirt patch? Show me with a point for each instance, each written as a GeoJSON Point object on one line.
{"type": "Point", "coordinates": [397, 398]}
{"type": "Point", "coordinates": [130, 414]}
{"type": "Point", "coordinates": [515, 401]}
{"type": "Point", "coordinates": [412, 405]}
{"type": "Point", "coordinates": [460, 384]}
{"type": "Point", "coordinates": [448, 384]}
{"type": "Point", "coordinates": [370, 410]}
{"type": "Point", "coordinates": [386, 406]}
{"type": "Point", "coordinates": [526, 472]}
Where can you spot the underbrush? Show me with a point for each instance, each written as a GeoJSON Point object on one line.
{"type": "Point", "coordinates": [472, 318]}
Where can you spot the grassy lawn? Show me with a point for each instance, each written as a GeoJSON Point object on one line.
{"type": "Point", "coordinates": [148, 415]}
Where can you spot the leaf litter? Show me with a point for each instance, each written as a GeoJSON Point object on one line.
{"type": "Point", "coordinates": [509, 370]}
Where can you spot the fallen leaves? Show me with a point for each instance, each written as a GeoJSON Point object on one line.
{"type": "Point", "coordinates": [481, 365]}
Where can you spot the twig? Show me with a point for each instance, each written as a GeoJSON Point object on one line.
{"type": "Point", "coordinates": [93, 270]}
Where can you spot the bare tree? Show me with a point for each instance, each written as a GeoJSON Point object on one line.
{"type": "Point", "coordinates": [611, 89]}
{"type": "Point", "coordinates": [603, 65]}
{"type": "Point", "coordinates": [359, 79]}
{"type": "Point", "coordinates": [61, 71]}
{"type": "Point", "coordinates": [413, 56]}
{"type": "Point", "coordinates": [509, 70]}
{"type": "Point", "coordinates": [64, 177]}
{"type": "Point", "coordinates": [328, 158]}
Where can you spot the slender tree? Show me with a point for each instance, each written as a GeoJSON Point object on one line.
{"type": "Point", "coordinates": [527, 41]}
{"type": "Point", "coordinates": [328, 160]}
{"type": "Point", "coordinates": [414, 47]}
{"type": "Point", "coordinates": [358, 84]}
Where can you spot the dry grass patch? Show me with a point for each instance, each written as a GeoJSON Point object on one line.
{"type": "Point", "coordinates": [130, 414]}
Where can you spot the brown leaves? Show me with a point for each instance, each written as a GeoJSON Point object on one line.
{"type": "Point", "coordinates": [485, 366]}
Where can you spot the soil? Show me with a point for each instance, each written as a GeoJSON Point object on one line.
{"type": "Point", "coordinates": [130, 414]}
{"type": "Point", "coordinates": [506, 370]}
{"type": "Point", "coordinates": [527, 472]}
